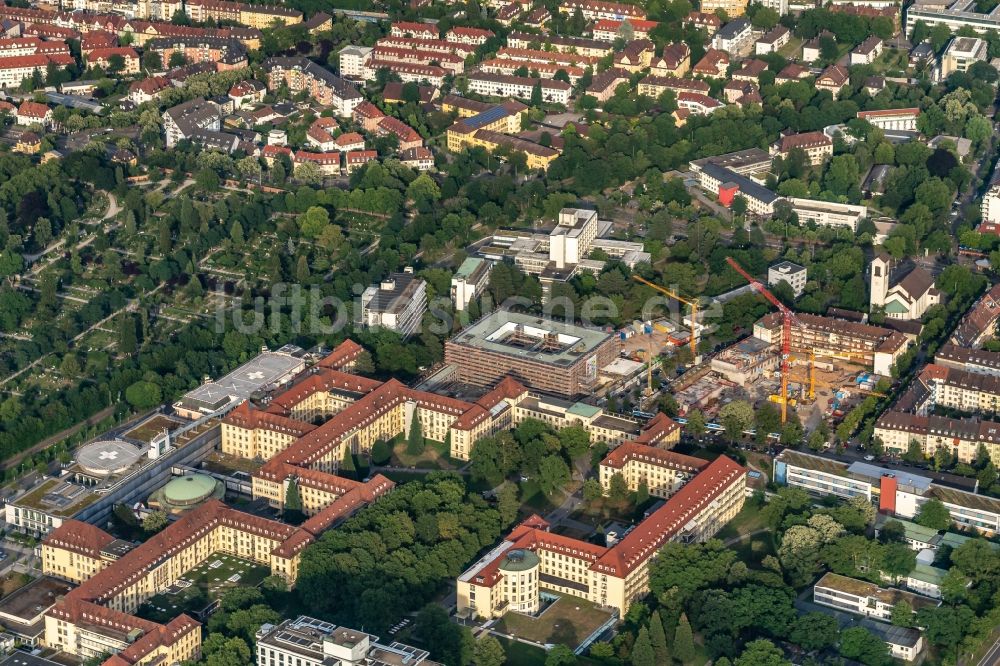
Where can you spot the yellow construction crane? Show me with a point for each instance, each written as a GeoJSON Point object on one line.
{"type": "Point", "coordinates": [691, 304]}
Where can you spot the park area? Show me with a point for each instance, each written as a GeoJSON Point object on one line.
{"type": "Point", "coordinates": [568, 621]}
{"type": "Point", "coordinates": [202, 586]}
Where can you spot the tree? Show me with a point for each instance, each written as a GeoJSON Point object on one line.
{"type": "Point", "coordinates": [736, 416]}
{"type": "Point", "coordinates": [508, 504]}
{"type": "Point", "coordinates": [658, 638]}
{"type": "Point", "coordinates": [415, 439]}
{"type": "Point", "coordinates": [902, 614]}
{"type": "Point", "coordinates": [695, 425]}
{"type": "Point", "coordinates": [934, 514]}
{"type": "Point", "coordinates": [914, 452]}
{"type": "Point", "coordinates": [560, 655]}
{"type": "Point", "coordinates": [683, 640]}
{"type": "Point", "coordinates": [642, 650]}
{"type": "Point", "coordinates": [860, 644]}
{"type": "Point", "coordinates": [449, 642]}
{"type": "Point", "coordinates": [553, 474]}
{"type": "Point", "coordinates": [293, 502]}
{"type": "Point", "coordinates": [618, 488]}
{"type": "Point", "coordinates": [347, 467]}
{"type": "Point", "coordinates": [592, 491]}
{"type": "Point", "coordinates": [314, 221]}
{"type": "Point", "coordinates": [380, 452]}
{"type": "Point", "coordinates": [536, 94]}
{"type": "Point", "coordinates": [151, 61]}
{"type": "Point", "coordinates": [154, 522]}
{"type": "Point", "coordinates": [814, 631]}
{"type": "Point", "coordinates": [761, 653]}
{"type": "Point", "coordinates": [143, 395]}
{"type": "Point", "coordinates": [489, 652]}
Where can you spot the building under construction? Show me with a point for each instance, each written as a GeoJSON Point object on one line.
{"type": "Point", "coordinates": [876, 347]}
{"type": "Point", "coordinates": [746, 361]}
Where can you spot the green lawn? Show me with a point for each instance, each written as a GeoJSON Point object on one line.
{"type": "Point", "coordinates": [434, 456]}
{"type": "Point", "coordinates": [746, 521]}
{"type": "Point", "coordinates": [202, 585]}
{"type": "Point", "coordinates": [568, 621]}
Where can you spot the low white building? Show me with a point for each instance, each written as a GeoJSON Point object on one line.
{"type": "Point", "coordinates": [828, 213]}
{"type": "Point", "coordinates": [892, 119]}
{"type": "Point", "coordinates": [500, 85]}
{"type": "Point", "coordinates": [863, 598]}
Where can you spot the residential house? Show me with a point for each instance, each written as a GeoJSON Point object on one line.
{"type": "Point", "coordinates": [773, 40]}
{"type": "Point", "coordinates": [867, 51]}
{"type": "Point", "coordinates": [675, 61]}
{"type": "Point", "coordinates": [712, 65]}
{"type": "Point", "coordinates": [833, 79]}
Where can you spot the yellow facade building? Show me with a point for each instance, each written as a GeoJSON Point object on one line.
{"type": "Point", "coordinates": [531, 559]}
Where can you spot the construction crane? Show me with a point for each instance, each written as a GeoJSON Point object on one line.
{"type": "Point", "coordinates": [691, 304]}
{"type": "Point", "coordinates": [787, 319]}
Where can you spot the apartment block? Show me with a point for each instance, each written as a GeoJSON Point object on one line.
{"type": "Point", "coordinates": [880, 347]}
{"type": "Point", "coordinates": [961, 437]}
{"type": "Point", "coordinates": [892, 119]}
{"type": "Point", "coordinates": [816, 145]}
{"type": "Point", "coordinates": [324, 87]}
{"type": "Point", "coordinates": [963, 52]}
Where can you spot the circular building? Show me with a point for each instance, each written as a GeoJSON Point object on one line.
{"type": "Point", "coordinates": [108, 457]}
{"type": "Point", "coordinates": [186, 492]}
{"type": "Point", "coordinates": [520, 572]}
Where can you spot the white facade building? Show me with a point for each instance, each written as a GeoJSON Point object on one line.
{"type": "Point", "coordinates": [469, 281]}
{"type": "Point", "coordinates": [397, 303]}
{"type": "Point", "coordinates": [786, 271]}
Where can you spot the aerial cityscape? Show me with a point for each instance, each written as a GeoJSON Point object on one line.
{"type": "Point", "coordinates": [463, 333]}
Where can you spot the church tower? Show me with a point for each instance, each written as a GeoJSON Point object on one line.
{"type": "Point", "coordinates": [879, 281]}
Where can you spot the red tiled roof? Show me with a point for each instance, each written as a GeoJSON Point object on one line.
{"type": "Point", "coordinates": [79, 537]}
{"type": "Point", "coordinates": [661, 457]}
{"type": "Point", "coordinates": [33, 110]}
{"type": "Point", "coordinates": [649, 535]}
{"type": "Point", "coordinates": [805, 140]}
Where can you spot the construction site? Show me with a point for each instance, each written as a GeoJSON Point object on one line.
{"type": "Point", "coordinates": [819, 366]}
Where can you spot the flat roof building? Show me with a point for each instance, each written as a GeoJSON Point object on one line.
{"type": "Point", "coordinates": [267, 370]}
{"type": "Point", "coordinates": [306, 641]}
{"type": "Point", "coordinates": [469, 281]}
{"type": "Point", "coordinates": [792, 274]}
{"type": "Point", "coordinates": [896, 491]}
{"type": "Point", "coordinates": [547, 355]}
{"type": "Point", "coordinates": [397, 303]}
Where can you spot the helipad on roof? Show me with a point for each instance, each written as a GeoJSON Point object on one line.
{"type": "Point", "coordinates": [107, 457]}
